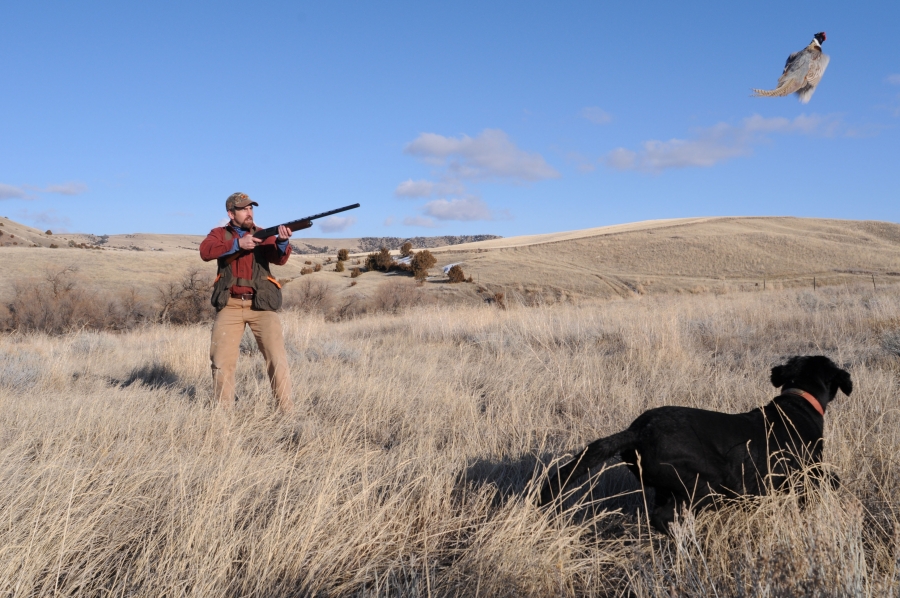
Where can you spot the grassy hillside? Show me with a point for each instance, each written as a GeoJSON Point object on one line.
{"type": "Point", "coordinates": [688, 255]}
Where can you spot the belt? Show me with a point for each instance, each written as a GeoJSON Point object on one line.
{"type": "Point", "coordinates": [243, 296]}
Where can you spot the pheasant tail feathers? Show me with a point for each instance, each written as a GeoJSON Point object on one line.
{"type": "Point", "coordinates": [771, 93]}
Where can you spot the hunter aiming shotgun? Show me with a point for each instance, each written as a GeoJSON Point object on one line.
{"type": "Point", "coordinates": [294, 225]}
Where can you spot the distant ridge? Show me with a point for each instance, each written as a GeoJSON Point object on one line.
{"type": "Point", "coordinates": [368, 244]}
{"type": "Point", "coordinates": [376, 243]}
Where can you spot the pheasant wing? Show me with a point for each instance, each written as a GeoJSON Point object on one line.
{"type": "Point", "coordinates": [792, 78]}
{"type": "Point", "coordinates": [816, 70]}
{"type": "Point", "coordinates": [795, 72]}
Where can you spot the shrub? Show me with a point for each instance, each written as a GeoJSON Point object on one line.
{"type": "Point", "coordinates": [186, 301]}
{"type": "Point", "coordinates": [317, 268]}
{"type": "Point", "coordinates": [305, 270]}
{"type": "Point", "coordinates": [421, 262]}
{"type": "Point", "coordinates": [343, 255]}
{"type": "Point", "coordinates": [339, 267]}
{"type": "Point", "coordinates": [308, 263]}
{"type": "Point", "coordinates": [355, 272]}
{"type": "Point", "coordinates": [380, 260]}
{"type": "Point", "coordinates": [48, 232]}
{"type": "Point", "coordinates": [500, 300]}
{"type": "Point", "coordinates": [55, 305]}
{"type": "Point", "coordinates": [406, 249]}
{"type": "Point", "coordinates": [309, 295]}
{"type": "Point", "coordinates": [54, 246]}
{"type": "Point", "coordinates": [456, 274]}
{"type": "Point", "coordinates": [396, 295]}
{"type": "Point", "coordinates": [347, 309]}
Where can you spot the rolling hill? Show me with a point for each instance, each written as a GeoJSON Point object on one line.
{"type": "Point", "coordinates": [717, 254]}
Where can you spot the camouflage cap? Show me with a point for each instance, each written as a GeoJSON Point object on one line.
{"type": "Point", "coordinates": [238, 200]}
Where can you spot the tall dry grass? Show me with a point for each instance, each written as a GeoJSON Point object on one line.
{"type": "Point", "coordinates": [404, 471]}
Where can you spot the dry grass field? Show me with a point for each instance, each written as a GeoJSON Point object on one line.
{"type": "Point", "coordinates": [404, 471]}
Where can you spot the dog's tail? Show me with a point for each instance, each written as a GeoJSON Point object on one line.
{"type": "Point", "coordinates": [594, 453]}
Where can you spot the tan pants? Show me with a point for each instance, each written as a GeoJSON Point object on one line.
{"type": "Point", "coordinates": [225, 346]}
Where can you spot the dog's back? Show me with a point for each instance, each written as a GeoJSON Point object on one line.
{"type": "Point", "coordinates": [688, 455]}
{"type": "Point", "coordinates": [692, 453]}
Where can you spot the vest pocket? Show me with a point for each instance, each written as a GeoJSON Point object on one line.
{"type": "Point", "coordinates": [268, 295]}
{"type": "Point", "coordinates": [221, 293]}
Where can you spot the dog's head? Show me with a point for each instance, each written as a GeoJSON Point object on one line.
{"type": "Point", "coordinates": [816, 374]}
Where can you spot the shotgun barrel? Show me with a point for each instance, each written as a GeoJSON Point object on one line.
{"type": "Point", "coordinates": [301, 223]}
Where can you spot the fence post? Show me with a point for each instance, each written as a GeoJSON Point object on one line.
{"type": "Point", "coordinates": [814, 283]}
{"type": "Point", "coordinates": [873, 283]}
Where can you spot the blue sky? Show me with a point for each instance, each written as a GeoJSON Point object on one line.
{"type": "Point", "coordinates": [442, 118]}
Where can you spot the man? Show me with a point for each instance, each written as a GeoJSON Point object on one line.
{"type": "Point", "coordinates": [246, 294]}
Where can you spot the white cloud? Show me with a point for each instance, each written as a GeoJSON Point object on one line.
{"type": "Point", "coordinates": [424, 188]}
{"type": "Point", "coordinates": [621, 159]}
{"type": "Point", "coordinates": [334, 224]}
{"type": "Point", "coordinates": [389, 221]}
{"type": "Point", "coordinates": [12, 192]}
{"type": "Point", "coordinates": [675, 153]}
{"type": "Point", "coordinates": [411, 188]}
{"type": "Point", "coordinates": [45, 218]}
{"type": "Point", "coordinates": [70, 188]}
{"type": "Point", "coordinates": [490, 155]}
{"type": "Point", "coordinates": [465, 209]}
{"type": "Point", "coordinates": [581, 162]}
{"type": "Point", "coordinates": [806, 125]}
{"type": "Point", "coordinates": [716, 144]}
{"type": "Point", "coordinates": [895, 103]}
{"type": "Point", "coordinates": [23, 192]}
{"type": "Point", "coordinates": [419, 221]}
{"type": "Point", "coordinates": [596, 115]}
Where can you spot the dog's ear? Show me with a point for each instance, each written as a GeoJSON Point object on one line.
{"type": "Point", "coordinates": [779, 378]}
{"type": "Point", "coordinates": [844, 382]}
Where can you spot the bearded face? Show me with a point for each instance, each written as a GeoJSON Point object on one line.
{"type": "Point", "coordinates": [242, 217]}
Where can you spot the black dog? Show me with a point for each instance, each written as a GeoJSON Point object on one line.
{"type": "Point", "coordinates": [691, 455]}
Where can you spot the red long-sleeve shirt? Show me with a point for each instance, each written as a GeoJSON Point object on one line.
{"type": "Point", "coordinates": [215, 246]}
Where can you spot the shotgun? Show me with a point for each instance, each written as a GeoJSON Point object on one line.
{"type": "Point", "coordinates": [294, 225]}
{"type": "Point", "coordinates": [300, 224]}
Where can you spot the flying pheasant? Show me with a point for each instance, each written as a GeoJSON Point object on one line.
{"type": "Point", "coordinates": [802, 72]}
